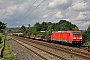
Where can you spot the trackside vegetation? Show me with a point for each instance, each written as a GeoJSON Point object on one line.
{"type": "Point", "coordinates": [62, 25]}
{"type": "Point", "coordinates": [86, 36]}
{"type": "Point", "coordinates": [6, 52]}
{"type": "Point", "coordinates": [2, 27]}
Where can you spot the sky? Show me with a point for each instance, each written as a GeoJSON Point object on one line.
{"type": "Point", "coordinates": [15, 13]}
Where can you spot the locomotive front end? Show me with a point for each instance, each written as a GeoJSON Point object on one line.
{"type": "Point", "coordinates": [77, 38]}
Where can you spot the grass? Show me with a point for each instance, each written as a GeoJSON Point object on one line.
{"type": "Point", "coordinates": [10, 58]}
{"type": "Point", "coordinates": [0, 45]}
{"type": "Point", "coordinates": [2, 38]}
{"type": "Point", "coordinates": [87, 43]}
{"type": "Point", "coordinates": [71, 55]}
{"type": "Point", "coordinates": [7, 50]}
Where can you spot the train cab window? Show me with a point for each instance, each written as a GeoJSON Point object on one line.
{"type": "Point", "coordinates": [69, 34]}
{"type": "Point", "coordinates": [76, 33]}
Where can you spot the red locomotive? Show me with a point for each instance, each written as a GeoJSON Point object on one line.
{"type": "Point", "coordinates": [72, 37]}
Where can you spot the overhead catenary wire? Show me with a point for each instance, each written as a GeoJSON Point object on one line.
{"type": "Point", "coordinates": [32, 10]}
{"type": "Point", "coordinates": [28, 10]}
{"type": "Point", "coordinates": [83, 20]}
{"type": "Point", "coordinates": [63, 10]}
{"type": "Point", "coordinates": [48, 13]}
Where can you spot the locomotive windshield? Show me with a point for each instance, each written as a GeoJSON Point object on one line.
{"type": "Point", "coordinates": [76, 33]}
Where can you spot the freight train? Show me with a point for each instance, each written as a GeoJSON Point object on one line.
{"type": "Point", "coordinates": [66, 37]}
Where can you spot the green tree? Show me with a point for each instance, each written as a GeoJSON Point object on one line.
{"type": "Point", "coordinates": [86, 36]}
{"type": "Point", "coordinates": [33, 31]}
{"type": "Point", "coordinates": [88, 28]}
{"type": "Point", "coordinates": [2, 26]}
{"type": "Point", "coordinates": [44, 26]}
{"type": "Point", "coordinates": [88, 33]}
{"type": "Point", "coordinates": [53, 26]}
{"type": "Point", "coordinates": [75, 28]}
{"type": "Point", "coordinates": [37, 26]}
{"type": "Point", "coordinates": [64, 25]}
{"type": "Point", "coordinates": [22, 29]}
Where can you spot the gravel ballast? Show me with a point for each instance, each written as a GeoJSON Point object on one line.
{"type": "Point", "coordinates": [21, 52]}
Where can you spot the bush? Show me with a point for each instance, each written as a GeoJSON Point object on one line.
{"type": "Point", "coordinates": [0, 37]}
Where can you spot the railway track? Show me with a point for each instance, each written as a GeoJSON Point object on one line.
{"type": "Point", "coordinates": [72, 51]}
{"type": "Point", "coordinates": [25, 44]}
{"type": "Point", "coordinates": [60, 48]}
{"type": "Point", "coordinates": [69, 50]}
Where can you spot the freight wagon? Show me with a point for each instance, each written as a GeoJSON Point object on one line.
{"type": "Point", "coordinates": [18, 34]}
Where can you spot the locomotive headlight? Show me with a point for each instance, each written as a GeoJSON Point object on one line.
{"type": "Point", "coordinates": [74, 38]}
{"type": "Point", "coordinates": [80, 38]}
